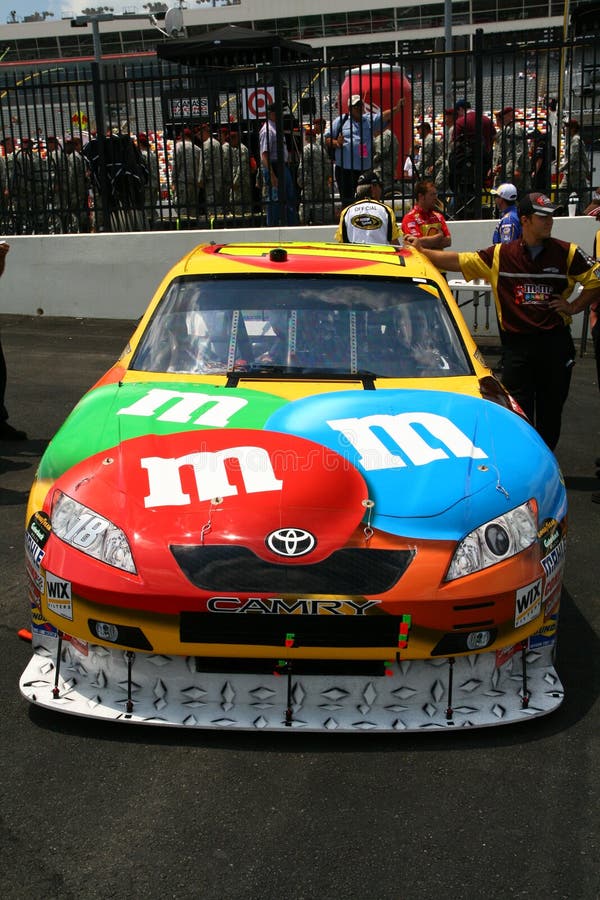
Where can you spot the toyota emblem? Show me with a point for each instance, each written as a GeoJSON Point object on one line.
{"type": "Point", "coordinates": [291, 542]}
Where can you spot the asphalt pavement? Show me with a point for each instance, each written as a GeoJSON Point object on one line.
{"type": "Point", "coordinates": [91, 810]}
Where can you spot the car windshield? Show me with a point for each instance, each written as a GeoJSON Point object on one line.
{"type": "Point", "coordinates": [303, 325]}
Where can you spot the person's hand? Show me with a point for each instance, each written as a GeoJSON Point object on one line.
{"type": "Point", "coordinates": [560, 304]}
{"type": "Point", "coordinates": [413, 241]}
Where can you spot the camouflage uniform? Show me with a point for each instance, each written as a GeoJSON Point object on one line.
{"type": "Point", "coordinates": [152, 186]}
{"type": "Point", "coordinates": [385, 157]}
{"type": "Point", "coordinates": [211, 175]}
{"type": "Point", "coordinates": [226, 172]}
{"type": "Point", "coordinates": [58, 198]}
{"type": "Point", "coordinates": [314, 179]}
{"type": "Point", "coordinates": [574, 172]}
{"type": "Point", "coordinates": [6, 177]}
{"type": "Point", "coordinates": [77, 190]}
{"type": "Point", "coordinates": [187, 161]}
{"type": "Point", "coordinates": [241, 186]}
{"type": "Point", "coordinates": [30, 192]}
{"type": "Point", "coordinates": [510, 154]}
{"type": "Point", "coordinates": [433, 162]}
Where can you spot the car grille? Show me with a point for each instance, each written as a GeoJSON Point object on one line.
{"type": "Point", "coordinates": [275, 630]}
{"type": "Point", "coordinates": [353, 571]}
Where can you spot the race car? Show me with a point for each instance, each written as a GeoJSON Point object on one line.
{"type": "Point", "coordinates": [299, 500]}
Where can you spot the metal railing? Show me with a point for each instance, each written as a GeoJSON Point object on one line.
{"type": "Point", "coordinates": [132, 153]}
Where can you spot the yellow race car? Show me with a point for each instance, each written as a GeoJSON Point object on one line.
{"type": "Point", "coordinates": [300, 499]}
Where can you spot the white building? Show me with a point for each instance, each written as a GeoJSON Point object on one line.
{"type": "Point", "coordinates": [330, 26]}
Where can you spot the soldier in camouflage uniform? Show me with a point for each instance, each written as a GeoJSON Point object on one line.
{"type": "Point", "coordinates": [385, 158]}
{"type": "Point", "coordinates": [314, 180]}
{"type": "Point", "coordinates": [240, 197]}
{"type": "Point", "coordinates": [433, 164]}
{"type": "Point", "coordinates": [56, 165]}
{"type": "Point", "coordinates": [510, 157]}
{"type": "Point", "coordinates": [29, 190]}
{"type": "Point", "coordinates": [210, 176]}
{"type": "Point", "coordinates": [574, 170]}
{"type": "Point", "coordinates": [187, 161]}
{"type": "Point", "coordinates": [78, 184]}
{"type": "Point", "coordinates": [226, 165]}
{"type": "Point", "coordinates": [6, 179]}
{"type": "Point", "coordinates": [152, 186]}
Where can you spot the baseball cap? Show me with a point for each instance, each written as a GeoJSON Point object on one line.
{"type": "Point", "coordinates": [368, 178]}
{"type": "Point", "coordinates": [506, 110]}
{"type": "Point", "coordinates": [508, 192]}
{"type": "Point", "coordinates": [537, 203]}
{"type": "Point", "coordinates": [354, 100]}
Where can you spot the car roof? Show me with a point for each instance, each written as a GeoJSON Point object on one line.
{"type": "Point", "coordinates": [303, 258]}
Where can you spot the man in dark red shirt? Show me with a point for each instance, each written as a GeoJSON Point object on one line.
{"type": "Point", "coordinates": [532, 279]}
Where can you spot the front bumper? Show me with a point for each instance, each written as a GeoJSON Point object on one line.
{"type": "Point", "coordinates": [473, 691]}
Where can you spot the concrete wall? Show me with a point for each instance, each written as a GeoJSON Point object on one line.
{"type": "Point", "coordinates": [115, 275]}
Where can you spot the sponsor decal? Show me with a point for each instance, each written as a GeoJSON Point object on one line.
{"type": "Point", "coordinates": [531, 293]}
{"type": "Point", "coordinates": [549, 534]}
{"type": "Point", "coordinates": [555, 559]}
{"type": "Point", "coordinates": [417, 436]}
{"type": "Point", "coordinates": [211, 474]}
{"type": "Point", "coordinates": [506, 653]}
{"type": "Point", "coordinates": [528, 603]}
{"type": "Point", "coordinates": [36, 578]}
{"type": "Point", "coordinates": [546, 635]}
{"type": "Point", "coordinates": [33, 552]}
{"type": "Point", "coordinates": [58, 596]}
{"type": "Point", "coordinates": [38, 623]}
{"type": "Point", "coordinates": [300, 607]}
{"type": "Point", "coordinates": [366, 221]}
{"type": "Point", "coordinates": [39, 528]}
{"type": "Point", "coordinates": [185, 407]}
{"type": "Point", "coordinates": [82, 647]}
{"type": "Point", "coordinates": [552, 603]}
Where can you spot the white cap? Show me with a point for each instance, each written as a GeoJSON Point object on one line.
{"type": "Point", "coordinates": [354, 100]}
{"type": "Point", "coordinates": [508, 192]}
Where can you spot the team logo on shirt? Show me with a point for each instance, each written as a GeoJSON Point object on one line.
{"type": "Point", "coordinates": [530, 292]}
{"type": "Point", "coordinates": [366, 221]}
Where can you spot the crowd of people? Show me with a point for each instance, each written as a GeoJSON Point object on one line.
{"type": "Point", "coordinates": [203, 173]}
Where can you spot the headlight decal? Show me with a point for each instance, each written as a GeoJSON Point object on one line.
{"type": "Point", "coordinates": [91, 533]}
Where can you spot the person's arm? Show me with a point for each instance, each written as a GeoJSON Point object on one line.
{"type": "Point", "coordinates": [4, 248]}
{"type": "Point", "coordinates": [582, 301]}
{"type": "Point", "coordinates": [443, 259]}
{"type": "Point", "coordinates": [433, 241]}
{"type": "Point", "coordinates": [386, 115]}
{"type": "Point", "coordinates": [333, 137]}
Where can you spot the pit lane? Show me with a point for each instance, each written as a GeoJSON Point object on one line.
{"type": "Point", "coordinates": [96, 811]}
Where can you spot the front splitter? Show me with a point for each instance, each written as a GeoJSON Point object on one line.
{"type": "Point", "coordinates": [417, 695]}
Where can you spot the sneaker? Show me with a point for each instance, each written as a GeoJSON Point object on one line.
{"type": "Point", "coordinates": [596, 497]}
{"type": "Point", "coordinates": [8, 433]}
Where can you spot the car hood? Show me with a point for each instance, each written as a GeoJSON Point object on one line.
{"type": "Point", "coordinates": [416, 463]}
